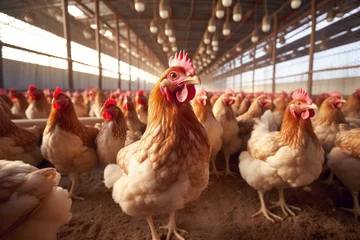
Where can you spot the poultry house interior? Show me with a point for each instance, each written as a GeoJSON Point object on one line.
{"type": "Point", "coordinates": [186, 119]}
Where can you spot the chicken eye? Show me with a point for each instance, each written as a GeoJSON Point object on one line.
{"type": "Point", "coordinates": [298, 103]}
{"type": "Point", "coordinates": [173, 75]}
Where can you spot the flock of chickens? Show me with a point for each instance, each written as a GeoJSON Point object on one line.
{"type": "Point", "coordinates": [156, 147]}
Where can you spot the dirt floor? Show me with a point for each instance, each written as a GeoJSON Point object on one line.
{"type": "Point", "coordinates": [223, 212]}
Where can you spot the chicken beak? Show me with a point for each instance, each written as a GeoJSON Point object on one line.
{"type": "Point", "coordinates": [233, 98]}
{"type": "Point", "coordinates": [312, 106]}
{"type": "Point", "coordinates": [342, 100]}
{"type": "Point", "coordinates": [194, 80]}
{"type": "Point", "coordinates": [204, 97]}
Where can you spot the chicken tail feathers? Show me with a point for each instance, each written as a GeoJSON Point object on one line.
{"type": "Point", "coordinates": [112, 173]}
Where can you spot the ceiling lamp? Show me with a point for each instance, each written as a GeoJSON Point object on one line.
{"type": "Point", "coordinates": [340, 11]}
{"type": "Point", "coordinates": [214, 40]}
{"type": "Point", "coordinates": [168, 28]}
{"type": "Point", "coordinates": [143, 59]}
{"type": "Point", "coordinates": [29, 17]}
{"type": "Point", "coordinates": [219, 12]}
{"type": "Point", "coordinates": [211, 27]}
{"type": "Point", "coordinates": [215, 48]}
{"type": "Point", "coordinates": [160, 39]}
{"type": "Point", "coordinates": [238, 48]}
{"type": "Point", "coordinates": [139, 5]}
{"type": "Point", "coordinates": [172, 39]}
{"type": "Point", "coordinates": [205, 64]}
{"type": "Point", "coordinates": [165, 48]}
{"type": "Point", "coordinates": [226, 29]}
{"type": "Point", "coordinates": [212, 56]}
{"type": "Point", "coordinates": [228, 55]}
{"type": "Point", "coordinates": [208, 60]}
{"type": "Point", "coordinates": [265, 25]}
{"type": "Point", "coordinates": [208, 50]}
{"type": "Point", "coordinates": [295, 4]}
{"type": "Point", "coordinates": [175, 49]}
{"type": "Point", "coordinates": [164, 9]}
{"type": "Point", "coordinates": [254, 36]}
{"type": "Point", "coordinates": [102, 30]}
{"type": "Point", "coordinates": [282, 39]}
{"type": "Point", "coordinates": [330, 15]}
{"type": "Point", "coordinates": [226, 3]}
{"type": "Point", "coordinates": [153, 27]}
{"type": "Point", "coordinates": [87, 32]}
{"type": "Point", "coordinates": [207, 38]}
{"type": "Point", "coordinates": [237, 12]}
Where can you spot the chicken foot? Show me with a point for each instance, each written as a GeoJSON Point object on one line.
{"type": "Point", "coordinates": [286, 209]}
{"type": "Point", "coordinates": [172, 228]}
{"type": "Point", "coordinates": [330, 180]}
{"type": "Point", "coordinates": [269, 215]}
{"type": "Point", "coordinates": [214, 169]}
{"type": "Point", "coordinates": [356, 209]}
{"type": "Point", "coordinates": [72, 194]}
{"type": "Point", "coordinates": [227, 169]}
{"type": "Point", "coordinates": [154, 234]}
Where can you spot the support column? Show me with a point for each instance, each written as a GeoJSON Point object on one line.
{"type": "Point", "coordinates": [253, 75]}
{"type": "Point", "coordinates": [273, 57]}
{"type": "Point", "coordinates": [67, 36]}
{"type": "Point", "coordinates": [97, 39]}
{"type": "Point", "coordinates": [138, 63]}
{"type": "Point", "coordinates": [117, 48]}
{"type": "Point", "coordinates": [241, 71]}
{"type": "Point", "coordinates": [129, 46]}
{"type": "Point", "coordinates": [312, 47]}
{"type": "Point", "coordinates": [232, 69]}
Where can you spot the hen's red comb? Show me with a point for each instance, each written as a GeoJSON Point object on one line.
{"type": "Point", "coordinates": [12, 90]}
{"type": "Point", "coordinates": [140, 92]}
{"type": "Point", "coordinates": [32, 87]}
{"type": "Point", "coordinates": [182, 59]}
{"type": "Point", "coordinates": [57, 92]}
{"type": "Point", "coordinates": [336, 94]}
{"type": "Point", "coordinates": [301, 94]}
{"type": "Point", "coordinates": [109, 102]}
{"type": "Point", "coordinates": [229, 91]}
{"type": "Point", "coordinates": [357, 90]}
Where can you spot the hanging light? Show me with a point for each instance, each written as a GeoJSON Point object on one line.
{"type": "Point", "coordinates": [214, 40]}
{"type": "Point", "coordinates": [265, 26]}
{"type": "Point", "coordinates": [228, 55]}
{"type": "Point", "coordinates": [212, 56]}
{"type": "Point", "coordinates": [254, 36]}
{"type": "Point", "coordinates": [164, 9]}
{"type": "Point", "coordinates": [220, 12]}
{"type": "Point", "coordinates": [201, 49]}
{"type": "Point", "coordinates": [160, 39]}
{"type": "Point", "coordinates": [238, 47]}
{"type": "Point", "coordinates": [215, 48]}
{"type": "Point", "coordinates": [102, 30]}
{"type": "Point", "coordinates": [211, 27]}
{"type": "Point", "coordinates": [207, 38]}
{"type": "Point", "coordinates": [168, 28]}
{"type": "Point", "coordinates": [87, 33]}
{"type": "Point", "coordinates": [153, 27]}
{"type": "Point", "coordinates": [165, 48]}
{"type": "Point", "coordinates": [295, 4]}
{"type": "Point", "coordinates": [330, 15]}
{"type": "Point", "coordinates": [340, 11]}
{"type": "Point", "coordinates": [282, 39]}
{"type": "Point", "coordinates": [237, 12]}
{"type": "Point", "coordinates": [226, 3]}
{"type": "Point", "coordinates": [208, 50]}
{"type": "Point", "coordinates": [172, 39]}
{"type": "Point", "coordinates": [226, 29]}
{"type": "Point", "coordinates": [174, 49]}
{"type": "Point", "coordinates": [139, 5]}
{"type": "Point", "coordinates": [208, 61]}
{"type": "Point", "coordinates": [143, 59]}
{"type": "Point", "coordinates": [29, 17]}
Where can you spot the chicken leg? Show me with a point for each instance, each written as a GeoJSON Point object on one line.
{"type": "Point", "coordinates": [72, 194]}
{"type": "Point", "coordinates": [356, 209]}
{"type": "Point", "coordinates": [154, 234]}
{"type": "Point", "coordinates": [214, 169]}
{"type": "Point", "coordinates": [227, 169]}
{"type": "Point", "coordinates": [282, 204]}
{"type": "Point", "coordinates": [330, 179]}
{"type": "Point", "coordinates": [172, 228]}
{"type": "Point", "coordinates": [264, 210]}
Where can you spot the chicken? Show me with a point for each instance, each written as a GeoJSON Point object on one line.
{"type": "Point", "coordinates": [6, 108]}
{"type": "Point", "coordinates": [99, 100]}
{"type": "Point", "coordinates": [202, 108]}
{"type": "Point", "coordinates": [223, 112]}
{"type": "Point", "coordinates": [213, 98]}
{"type": "Point", "coordinates": [48, 95]}
{"type": "Point", "coordinates": [245, 104]}
{"type": "Point", "coordinates": [141, 106]}
{"type": "Point", "coordinates": [6, 99]}
{"type": "Point", "coordinates": [32, 205]}
{"type": "Point", "coordinates": [326, 123]}
{"type": "Point", "coordinates": [344, 161]}
{"type": "Point", "coordinates": [20, 103]}
{"type": "Point", "coordinates": [351, 108]}
{"type": "Point", "coordinates": [67, 144]}
{"type": "Point", "coordinates": [112, 135]}
{"type": "Point", "coordinates": [19, 143]}
{"type": "Point", "coordinates": [38, 105]}
{"type": "Point", "coordinates": [236, 106]}
{"type": "Point", "coordinates": [292, 157]}
{"type": "Point", "coordinates": [246, 121]}
{"type": "Point", "coordinates": [169, 166]}
{"type": "Point", "coordinates": [132, 121]}
{"type": "Point", "coordinates": [280, 103]}
{"type": "Point", "coordinates": [81, 109]}
{"type": "Point", "coordinates": [319, 99]}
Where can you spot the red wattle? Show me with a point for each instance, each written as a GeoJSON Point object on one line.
{"type": "Point", "coordinates": [107, 115]}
